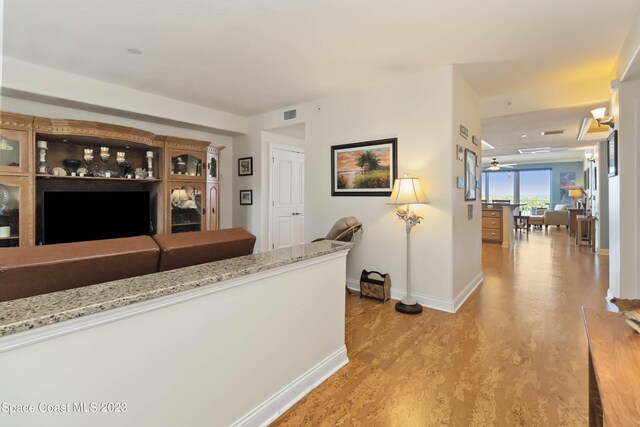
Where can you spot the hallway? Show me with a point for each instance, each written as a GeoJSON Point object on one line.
{"type": "Point", "coordinates": [515, 354]}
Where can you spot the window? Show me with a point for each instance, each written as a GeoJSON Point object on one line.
{"type": "Point", "coordinates": [531, 187]}
{"type": "Point", "coordinates": [535, 189]}
{"type": "Point", "coordinates": [500, 186]}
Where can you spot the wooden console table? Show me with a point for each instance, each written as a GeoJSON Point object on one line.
{"type": "Point", "coordinates": [614, 369]}
{"type": "Point", "coordinates": [573, 215]}
{"type": "Point", "coordinates": [586, 225]}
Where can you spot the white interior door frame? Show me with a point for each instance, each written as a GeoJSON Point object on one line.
{"type": "Point", "coordinates": [272, 147]}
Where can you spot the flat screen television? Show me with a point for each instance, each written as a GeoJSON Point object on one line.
{"type": "Point", "coordinates": [76, 216]}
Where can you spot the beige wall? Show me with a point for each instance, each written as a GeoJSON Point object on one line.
{"type": "Point", "coordinates": [421, 111]}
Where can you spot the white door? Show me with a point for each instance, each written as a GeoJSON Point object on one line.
{"type": "Point", "coordinates": [287, 198]}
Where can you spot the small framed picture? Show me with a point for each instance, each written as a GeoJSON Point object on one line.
{"type": "Point", "coordinates": [246, 197]}
{"type": "Point", "coordinates": [469, 175]}
{"type": "Point", "coordinates": [475, 140]}
{"type": "Point", "coordinates": [245, 166]}
{"type": "Point", "coordinates": [460, 151]}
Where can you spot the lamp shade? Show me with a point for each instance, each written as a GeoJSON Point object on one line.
{"type": "Point", "coordinates": [598, 113]}
{"type": "Point", "coordinates": [574, 194]}
{"type": "Point", "coordinates": [407, 191]}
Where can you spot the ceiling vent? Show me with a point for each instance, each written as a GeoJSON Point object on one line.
{"type": "Point", "coordinates": [552, 132]}
{"type": "Point", "coordinates": [541, 150]}
{"type": "Point", "coordinates": [289, 115]}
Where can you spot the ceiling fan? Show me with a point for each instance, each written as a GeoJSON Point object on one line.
{"type": "Point", "coordinates": [495, 165]}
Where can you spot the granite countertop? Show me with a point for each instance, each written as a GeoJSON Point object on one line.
{"type": "Point", "coordinates": [28, 313]}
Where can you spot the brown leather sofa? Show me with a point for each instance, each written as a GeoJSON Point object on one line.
{"type": "Point", "coordinates": [35, 270]}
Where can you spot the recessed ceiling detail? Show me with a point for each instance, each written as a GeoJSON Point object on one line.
{"type": "Point", "coordinates": [589, 130]}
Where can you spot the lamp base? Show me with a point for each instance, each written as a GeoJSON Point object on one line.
{"type": "Point", "coordinates": [408, 307]}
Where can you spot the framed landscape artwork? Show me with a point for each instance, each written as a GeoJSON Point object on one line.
{"type": "Point", "coordinates": [612, 153]}
{"type": "Point", "coordinates": [469, 175]}
{"type": "Point", "coordinates": [364, 168]}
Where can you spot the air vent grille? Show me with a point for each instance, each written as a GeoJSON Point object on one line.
{"type": "Point", "coordinates": [291, 114]}
{"type": "Point", "coordinates": [541, 150]}
{"type": "Point", "coordinates": [552, 132]}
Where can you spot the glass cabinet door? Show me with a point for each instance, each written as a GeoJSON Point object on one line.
{"type": "Point", "coordinates": [186, 207]}
{"type": "Point", "coordinates": [9, 214]}
{"type": "Point", "coordinates": [212, 167]}
{"type": "Point", "coordinates": [14, 151]}
{"type": "Point", "coordinates": [187, 165]}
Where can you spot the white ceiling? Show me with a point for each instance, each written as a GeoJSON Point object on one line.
{"type": "Point", "coordinates": [505, 134]}
{"type": "Point", "coordinates": [251, 56]}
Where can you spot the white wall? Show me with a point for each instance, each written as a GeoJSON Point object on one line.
{"type": "Point", "coordinates": [418, 110]}
{"type": "Point", "coordinates": [467, 234]}
{"type": "Point", "coordinates": [219, 355]}
{"type": "Point", "coordinates": [624, 197]}
{"type": "Point", "coordinates": [603, 198]}
{"type": "Point", "coordinates": [226, 158]}
{"type": "Point", "coordinates": [43, 81]}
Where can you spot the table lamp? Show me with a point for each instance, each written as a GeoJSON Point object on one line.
{"type": "Point", "coordinates": [408, 191]}
{"type": "Point", "coordinates": [576, 194]}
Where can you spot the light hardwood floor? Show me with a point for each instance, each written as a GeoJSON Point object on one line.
{"type": "Point", "coordinates": [514, 355]}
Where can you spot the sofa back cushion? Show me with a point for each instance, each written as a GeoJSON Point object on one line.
{"type": "Point", "coordinates": [35, 270]}
{"type": "Point", "coordinates": [197, 247]}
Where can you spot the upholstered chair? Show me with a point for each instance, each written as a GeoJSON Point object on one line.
{"type": "Point", "coordinates": [559, 215]}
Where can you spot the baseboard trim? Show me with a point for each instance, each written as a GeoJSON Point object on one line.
{"type": "Point", "coordinates": [436, 303]}
{"type": "Point", "coordinates": [603, 251]}
{"type": "Point", "coordinates": [459, 300]}
{"type": "Point", "coordinates": [271, 409]}
{"type": "Point", "coordinates": [611, 306]}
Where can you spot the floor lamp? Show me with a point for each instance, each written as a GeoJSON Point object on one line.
{"type": "Point", "coordinates": [408, 191]}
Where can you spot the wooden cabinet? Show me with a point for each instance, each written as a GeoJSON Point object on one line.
{"type": "Point", "coordinates": [213, 169]}
{"type": "Point", "coordinates": [213, 186]}
{"type": "Point", "coordinates": [213, 221]}
{"type": "Point", "coordinates": [193, 182]}
{"type": "Point", "coordinates": [16, 180]}
{"type": "Point", "coordinates": [492, 226]}
{"type": "Point", "coordinates": [184, 188]}
{"type": "Point", "coordinates": [16, 211]}
{"type": "Point", "coordinates": [186, 207]}
{"type": "Point", "coordinates": [614, 371]}
{"type": "Point", "coordinates": [14, 151]}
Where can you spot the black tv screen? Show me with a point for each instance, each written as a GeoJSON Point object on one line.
{"type": "Point", "coordinates": [76, 216]}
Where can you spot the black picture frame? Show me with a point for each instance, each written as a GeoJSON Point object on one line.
{"type": "Point", "coordinates": [348, 167]}
{"type": "Point", "coordinates": [245, 166]}
{"type": "Point", "coordinates": [586, 179]}
{"type": "Point", "coordinates": [612, 154]}
{"type": "Point", "coordinates": [246, 197]}
{"type": "Point", "coordinates": [470, 159]}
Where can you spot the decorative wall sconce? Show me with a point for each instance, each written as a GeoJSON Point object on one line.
{"type": "Point", "coordinates": [590, 156]}
{"type": "Point", "coordinates": [599, 115]}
